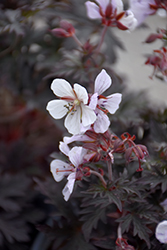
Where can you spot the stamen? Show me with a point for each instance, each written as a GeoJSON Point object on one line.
{"type": "Point", "coordinates": [103, 109]}
{"type": "Point", "coordinates": [65, 170]}
{"type": "Point", "coordinates": [75, 93]}
{"type": "Point", "coordinates": [70, 107]}
{"type": "Point", "coordinates": [67, 98]}
{"type": "Point", "coordinates": [102, 97]}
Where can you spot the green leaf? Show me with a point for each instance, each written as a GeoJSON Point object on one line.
{"type": "Point", "coordinates": [91, 219]}
{"type": "Point", "coordinates": [12, 191]}
{"type": "Point", "coordinates": [125, 222]}
{"type": "Point", "coordinates": [13, 229]}
{"type": "Point", "coordinates": [105, 243]}
{"type": "Point", "coordinates": [112, 197]}
{"type": "Point", "coordinates": [78, 242]}
{"type": "Point", "coordinates": [139, 226]}
{"type": "Point", "coordinates": [68, 236]}
{"type": "Point", "coordinates": [140, 229]}
{"type": "Point", "coordinates": [154, 178]}
{"type": "Point", "coordinates": [104, 197]}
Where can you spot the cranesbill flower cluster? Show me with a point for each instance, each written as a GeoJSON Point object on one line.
{"type": "Point", "coordinates": [88, 123]}
{"type": "Point", "coordinates": [111, 14]}
{"type": "Point", "coordinates": [84, 112]}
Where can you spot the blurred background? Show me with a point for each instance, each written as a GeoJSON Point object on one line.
{"type": "Point", "coordinates": [130, 63]}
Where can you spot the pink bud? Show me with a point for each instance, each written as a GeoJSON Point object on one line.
{"type": "Point", "coordinates": [67, 26]}
{"type": "Point", "coordinates": [66, 29]}
{"type": "Point", "coordinates": [59, 32]}
{"type": "Point", "coordinates": [153, 37]}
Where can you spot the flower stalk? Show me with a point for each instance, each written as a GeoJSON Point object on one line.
{"type": "Point", "coordinates": [77, 41]}
{"type": "Point", "coordinates": [109, 164]}
{"type": "Point", "coordinates": [102, 39]}
{"type": "Point", "coordinates": [100, 177]}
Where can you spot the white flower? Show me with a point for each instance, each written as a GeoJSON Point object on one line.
{"type": "Point", "coordinates": [129, 20]}
{"type": "Point", "coordinates": [85, 138]}
{"type": "Point", "coordinates": [93, 10]}
{"type": "Point", "coordinates": [67, 190]}
{"type": "Point", "coordinates": [73, 103]}
{"type": "Point", "coordinates": [111, 13]}
{"type": "Point", "coordinates": [64, 147]}
{"type": "Point", "coordinates": [141, 9]}
{"type": "Point", "coordinates": [60, 169]}
{"type": "Point", "coordinates": [161, 231]}
{"type": "Point", "coordinates": [103, 104]}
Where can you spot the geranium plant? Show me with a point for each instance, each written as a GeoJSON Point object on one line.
{"type": "Point", "coordinates": [107, 195]}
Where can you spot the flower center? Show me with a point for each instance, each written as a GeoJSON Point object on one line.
{"type": "Point", "coordinates": [76, 102]}
{"type": "Point", "coordinates": [71, 106]}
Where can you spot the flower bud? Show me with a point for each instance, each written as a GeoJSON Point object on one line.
{"type": "Point", "coordinates": [66, 30]}
{"type": "Point", "coordinates": [59, 32]}
{"type": "Point", "coordinates": [153, 37]}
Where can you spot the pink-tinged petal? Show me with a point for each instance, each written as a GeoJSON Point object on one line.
{"type": "Point", "coordinates": [67, 190]}
{"type": "Point", "coordinates": [88, 115]}
{"type": "Point", "coordinates": [141, 9]}
{"type": "Point", "coordinates": [129, 21]}
{"type": "Point", "coordinates": [62, 88]}
{"type": "Point", "coordinates": [161, 231]}
{"type": "Point", "coordinates": [117, 4]}
{"type": "Point", "coordinates": [89, 156]}
{"type": "Point", "coordinates": [76, 155]}
{"type": "Point", "coordinates": [102, 82]}
{"type": "Point", "coordinates": [164, 205]}
{"type": "Point", "coordinates": [72, 121]}
{"type": "Point", "coordinates": [103, 4]}
{"type": "Point", "coordinates": [83, 129]}
{"type": "Point", "coordinates": [81, 92]}
{"type": "Point", "coordinates": [59, 169]}
{"type": "Point", "coordinates": [57, 108]}
{"type": "Point", "coordinates": [73, 138]}
{"type": "Point", "coordinates": [92, 10]}
{"type": "Point", "coordinates": [102, 122]}
{"type": "Point", "coordinates": [111, 103]}
{"type": "Point", "coordinates": [64, 148]}
{"type": "Point", "coordinates": [93, 101]}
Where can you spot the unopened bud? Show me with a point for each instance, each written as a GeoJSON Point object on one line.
{"type": "Point", "coordinates": [67, 26]}
{"type": "Point", "coordinates": [153, 37]}
{"type": "Point", "coordinates": [59, 32]}
{"type": "Point", "coordinates": [66, 29]}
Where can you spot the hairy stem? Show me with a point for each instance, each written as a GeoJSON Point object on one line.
{"type": "Point", "coordinates": [77, 41]}
{"type": "Point", "coordinates": [102, 39]}
{"type": "Point", "coordinates": [119, 233]}
{"type": "Point", "coordinates": [100, 177]}
{"type": "Point", "coordinates": [109, 164]}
